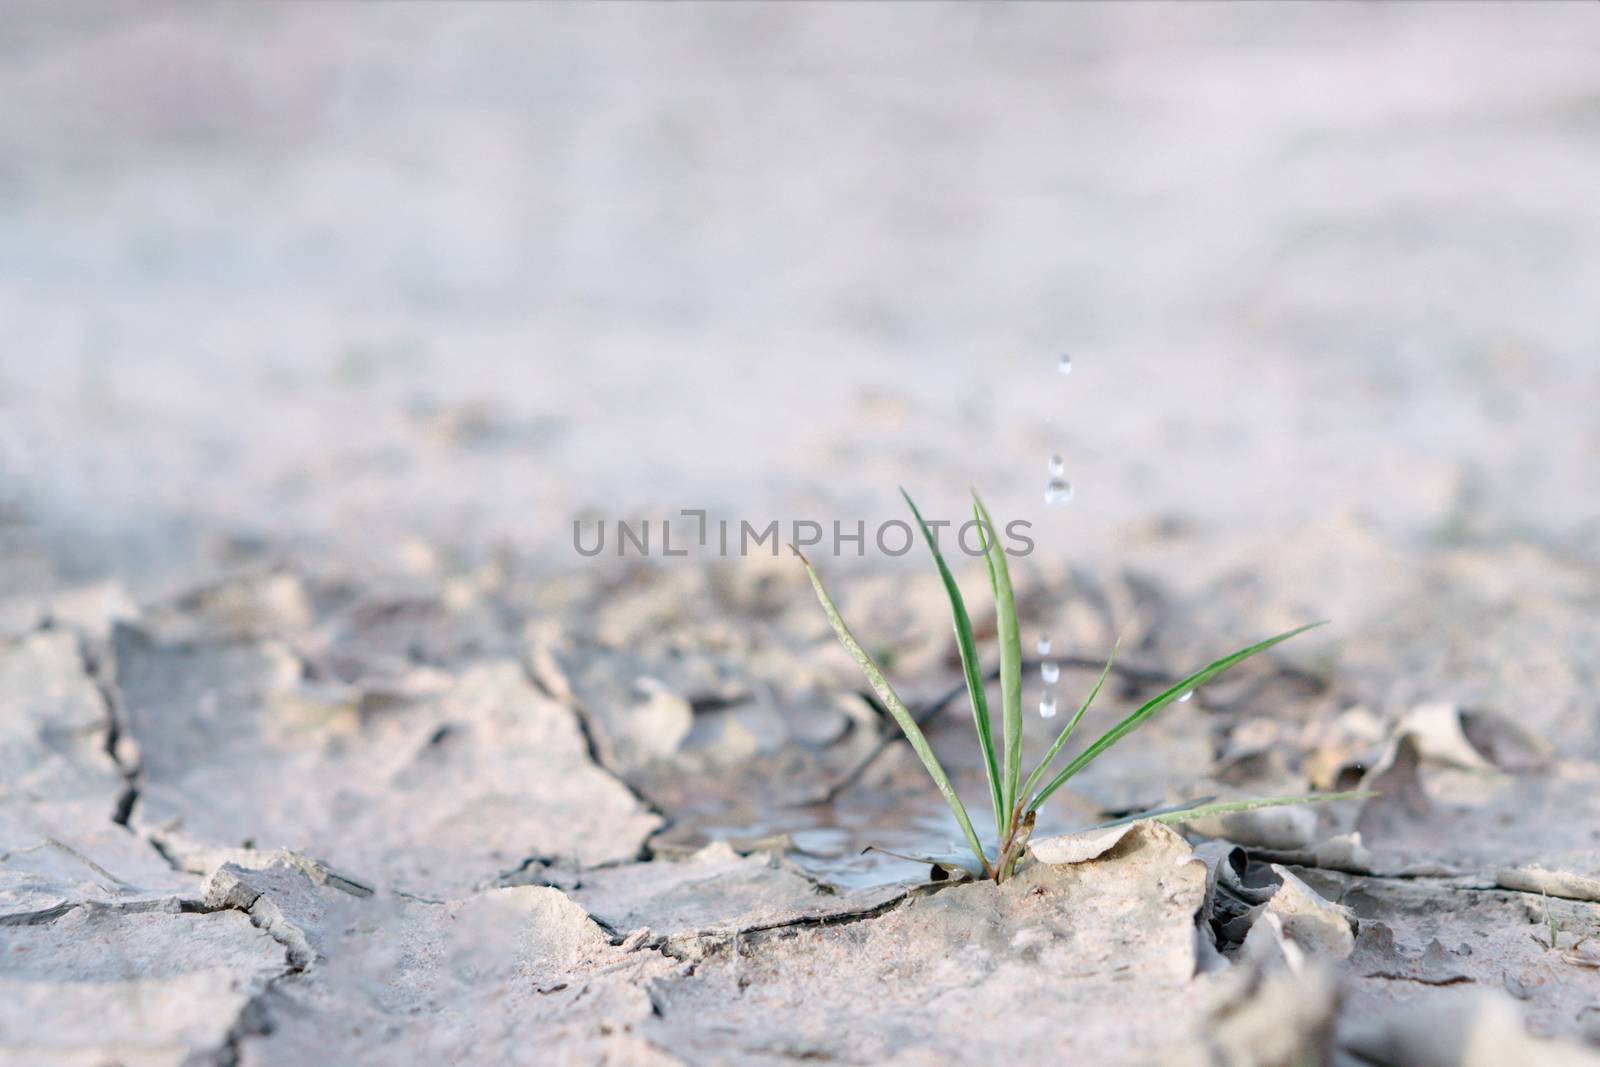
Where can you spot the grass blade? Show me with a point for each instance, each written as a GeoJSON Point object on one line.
{"type": "Point", "coordinates": [1201, 809]}
{"type": "Point", "coordinates": [1066, 731]}
{"type": "Point", "coordinates": [971, 669]}
{"type": "Point", "coordinates": [897, 708]}
{"type": "Point", "coordinates": [1005, 611]}
{"type": "Point", "coordinates": [1149, 708]}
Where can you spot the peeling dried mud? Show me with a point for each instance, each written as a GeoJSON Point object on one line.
{"type": "Point", "coordinates": [238, 830]}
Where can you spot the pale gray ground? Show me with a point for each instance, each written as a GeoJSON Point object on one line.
{"type": "Point", "coordinates": [322, 323]}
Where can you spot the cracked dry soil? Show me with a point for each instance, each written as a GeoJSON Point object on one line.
{"type": "Point", "coordinates": [321, 323]}
{"type": "Point", "coordinates": [295, 816]}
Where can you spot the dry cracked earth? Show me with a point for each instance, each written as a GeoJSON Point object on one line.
{"type": "Point", "coordinates": [306, 814]}
{"type": "Point", "coordinates": [322, 322]}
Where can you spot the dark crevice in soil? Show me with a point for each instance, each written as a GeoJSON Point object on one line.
{"type": "Point", "coordinates": [575, 874]}
{"type": "Point", "coordinates": [167, 857]}
{"type": "Point", "coordinates": [703, 705]}
{"type": "Point", "coordinates": [106, 689]}
{"type": "Point", "coordinates": [46, 916]}
{"type": "Point", "coordinates": [295, 962]}
{"type": "Point", "coordinates": [1396, 976]}
{"type": "Point", "coordinates": [253, 1021]}
{"type": "Point", "coordinates": [42, 917]}
{"type": "Point", "coordinates": [711, 942]}
{"type": "Point", "coordinates": [124, 809]}
{"type": "Point", "coordinates": [591, 745]}
{"type": "Point", "coordinates": [418, 898]}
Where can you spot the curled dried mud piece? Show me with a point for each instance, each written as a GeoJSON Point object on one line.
{"type": "Point", "coordinates": [1297, 924]}
{"type": "Point", "coordinates": [1536, 879]}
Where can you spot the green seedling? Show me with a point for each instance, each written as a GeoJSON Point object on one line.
{"type": "Point", "coordinates": [1014, 800]}
{"type": "Point", "coordinates": [1551, 927]}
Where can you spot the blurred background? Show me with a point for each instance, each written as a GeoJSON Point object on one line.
{"type": "Point", "coordinates": [362, 274]}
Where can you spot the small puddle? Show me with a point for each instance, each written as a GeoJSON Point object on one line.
{"type": "Point", "coordinates": [829, 841]}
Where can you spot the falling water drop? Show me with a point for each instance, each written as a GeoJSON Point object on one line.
{"type": "Point", "coordinates": [1058, 466]}
{"type": "Point", "coordinates": [1057, 491]}
{"type": "Point", "coordinates": [1066, 364]}
{"type": "Point", "coordinates": [1047, 704]}
{"type": "Point", "coordinates": [1185, 698]}
{"type": "Point", "coordinates": [1043, 645]}
{"type": "Point", "coordinates": [1049, 672]}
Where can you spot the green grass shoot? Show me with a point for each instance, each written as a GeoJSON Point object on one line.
{"type": "Point", "coordinates": [1013, 800]}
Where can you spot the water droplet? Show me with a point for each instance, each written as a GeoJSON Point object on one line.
{"type": "Point", "coordinates": [1044, 644]}
{"type": "Point", "coordinates": [1049, 672]}
{"type": "Point", "coordinates": [1185, 698]}
{"type": "Point", "coordinates": [1058, 466]}
{"type": "Point", "coordinates": [1047, 704]}
{"type": "Point", "coordinates": [1057, 491]}
{"type": "Point", "coordinates": [1066, 364]}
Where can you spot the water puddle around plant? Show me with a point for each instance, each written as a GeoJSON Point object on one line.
{"type": "Point", "coordinates": [831, 841]}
